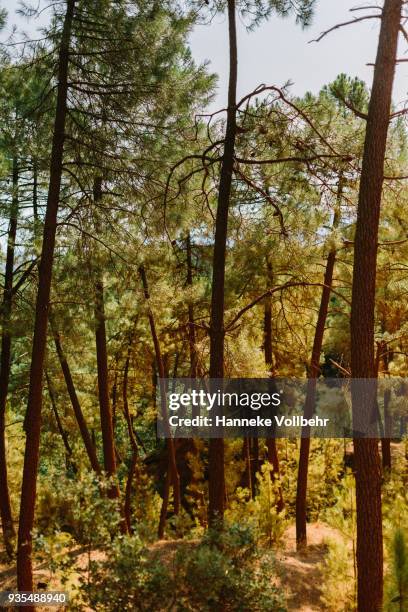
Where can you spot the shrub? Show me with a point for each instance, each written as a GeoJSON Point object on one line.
{"type": "Point", "coordinates": [396, 597]}
{"type": "Point", "coordinates": [224, 571]}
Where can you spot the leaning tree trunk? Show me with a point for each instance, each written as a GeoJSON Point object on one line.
{"type": "Point", "coordinates": [76, 406]}
{"type": "Point", "coordinates": [34, 405]}
{"type": "Point", "coordinates": [5, 364]}
{"type": "Point", "coordinates": [301, 489]}
{"type": "Point", "coordinates": [366, 455]}
{"type": "Point", "coordinates": [216, 446]}
{"type": "Point", "coordinates": [172, 476]}
{"type": "Point", "coordinates": [60, 427]}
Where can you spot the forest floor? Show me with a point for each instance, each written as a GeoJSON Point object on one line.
{"type": "Point", "coordinates": [299, 572]}
{"type": "Point", "coordinates": [301, 577]}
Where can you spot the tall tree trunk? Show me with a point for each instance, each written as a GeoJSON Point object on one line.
{"type": "Point", "coordinates": [114, 397]}
{"type": "Point", "coordinates": [108, 442]}
{"type": "Point", "coordinates": [34, 405]}
{"type": "Point", "coordinates": [273, 458]}
{"type": "Point", "coordinates": [76, 406]}
{"type": "Point", "coordinates": [301, 489]}
{"type": "Point", "coordinates": [216, 471]}
{"type": "Point", "coordinates": [5, 365]}
{"type": "Point", "coordinates": [132, 438]}
{"type": "Point", "coordinates": [109, 458]}
{"type": "Point", "coordinates": [191, 328]}
{"type": "Point", "coordinates": [172, 476]}
{"type": "Point", "coordinates": [366, 454]}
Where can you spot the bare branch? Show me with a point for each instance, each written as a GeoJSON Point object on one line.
{"type": "Point", "coordinates": [345, 23]}
{"type": "Point", "coordinates": [270, 292]}
{"type": "Point", "coordinates": [259, 189]}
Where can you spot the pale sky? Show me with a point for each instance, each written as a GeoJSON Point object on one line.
{"type": "Point", "coordinates": [279, 50]}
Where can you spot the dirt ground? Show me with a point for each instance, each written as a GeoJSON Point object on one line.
{"type": "Point", "coordinates": [299, 573]}
{"type": "Point", "coordinates": [301, 577]}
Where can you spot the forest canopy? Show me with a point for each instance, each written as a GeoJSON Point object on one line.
{"type": "Point", "coordinates": [147, 237]}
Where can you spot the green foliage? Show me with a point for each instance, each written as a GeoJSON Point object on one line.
{"type": "Point", "coordinates": [257, 10]}
{"type": "Point", "coordinates": [128, 579]}
{"type": "Point", "coordinates": [223, 571]}
{"type": "Point", "coordinates": [339, 566]}
{"type": "Point", "coordinates": [342, 514]}
{"type": "Point", "coordinates": [397, 579]}
{"type": "Point", "coordinates": [79, 506]}
{"type": "Point", "coordinates": [339, 586]}
{"type": "Point", "coordinates": [136, 99]}
{"type": "Point", "coordinates": [261, 512]}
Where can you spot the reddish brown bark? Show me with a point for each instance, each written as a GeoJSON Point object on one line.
{"type": "Point", "coordinates": [216, 471]}
{"type": "Point", "coordinates": [314, 371]}
{"type": "Point", "coordinates": [367, 463]}
{"type": "Point", "coordinates": [76, 406]}
{"type": "Point", "coordinates": [172, 476]}
{"type": "Point", "coordinates": [33, 414]}
{"type": "Point", "coordinates": [5, 364]}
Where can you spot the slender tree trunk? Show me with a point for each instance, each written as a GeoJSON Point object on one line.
{"type": "Point", "coordinates": [76, 406]}
{"type": "Point", "coordinates": [114, 395]}
{"type": "Point", "coordinates": [5, 365]}
{"type": "Point", "coordinates": [301, 490]}
{"type": "Point", "coordinates": [246, 456]}
{"type": "Point", "coordinates": [127, 511]}
{"type": "Point", "coordinates": [33, 414]}
{"type": "Point", "coordinates": [383, 357]}
{"type": "Point", "coordinates": [61, 430]}
{"type": "Point", "coordinates": [109, 457]}
{"type": "Point", "coordinates": [172, 476]}
{"type": "Point", "coordinates": [272, 450]}
{"type": "Point", "coordinates": [35, 195]}
{"type": "Point", "coordinates": [191, 328]}
{"type": "Point", "coordinates": [131, 433]}
{"type": "Point", "coordinates": [366, 454]}
{"type": "Point", "coordinates": [133, 442]}
{"type": "Point", "coordinates": [108, 442]}
{"type": "Point", "coordinates": [165, 504]}
{"type": "Point", "coordinates": [216, 472]}
{"type": "Point", "coordinates": [254, 465]}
